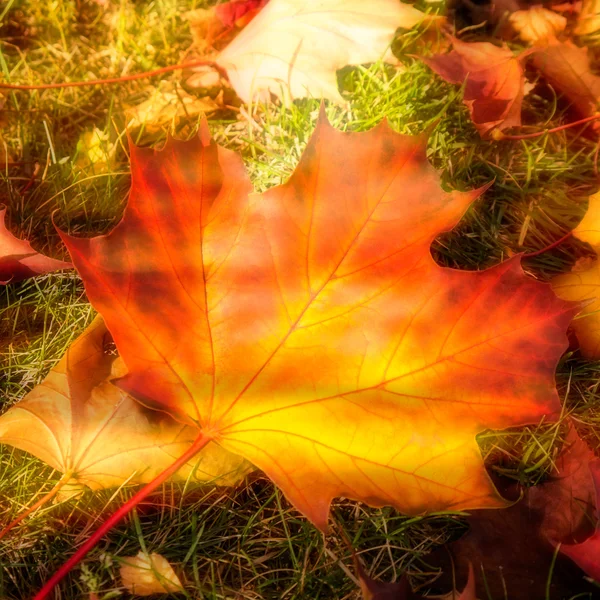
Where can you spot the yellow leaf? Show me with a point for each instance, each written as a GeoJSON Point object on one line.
{"type": "Point", "coordinates": [144, 575]}
{"type": "Point", "coordinates": [95, 152]}
{"type": "Point", "coordinates": [168, 104]}
{"type": "Point", "coordinates": [589, 18]}
{"type": "Point", "coordinates": [537, 24]}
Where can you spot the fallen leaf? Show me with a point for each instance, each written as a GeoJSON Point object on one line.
{"type": "Point", "coordinates": [309, 329]}
{"type": "Point", "coordinates": [587, 554]}
{"type": "Point", "coordinates": [589, 18]}
{"type": "Point", "coordinates": [582, 284]}
{"type": "Point", "coordinates": [537, 24]}
{"type": "Point", "coordinates": [514, 548]}
{"type": "Point", "coordinates": [147, 574]}
{"type": "Point", "coordinates": [85, 427]}
{"type": "Point", "coordinates": [567, 68]}
{"type": "Point", "coordinates": [95, 152]}
{"type": "Point", "coordinates": [18, 260]}
{"type": "Point", "coordinates": [494, 82]}
{"type": "Point", "coordinates": [168, 104]}
{"type": "Point", "coordinates": [293, 48]}
{"type": "Point", "coordinates": [378, 590]}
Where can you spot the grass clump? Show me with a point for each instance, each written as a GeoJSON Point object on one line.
{"type": "Point", "coordinates": [244, 543]}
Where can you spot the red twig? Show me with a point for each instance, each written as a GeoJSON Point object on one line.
{"type": "Point", "coordinates": [119, 515]}
{"type": "Point", "coordinates": [52, 86]}
{"type": "Point", "coordinates": [525, 136]}
{"type": "Point", "coordinates": [45, 498]}
{"type": "Point", "coordinates": [552, 245]}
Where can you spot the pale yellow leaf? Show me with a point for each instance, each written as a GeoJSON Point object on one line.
{"type": "Point", "coordinates": [537, 24]}
{"type": "Point", "coordinates": [293, 48]}
{"type": "Point", "coordinates": [144, 575]}
{"type": "Point", "coordinates": [168, 104]}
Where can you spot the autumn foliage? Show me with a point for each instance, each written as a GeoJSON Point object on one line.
{"type": "Point", "coordinates": [307, 332]}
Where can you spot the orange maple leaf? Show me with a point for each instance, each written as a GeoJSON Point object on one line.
{"type": "Point", "coordinates": [309, 328]}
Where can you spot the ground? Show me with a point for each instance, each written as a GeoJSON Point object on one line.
{"type": "Point", "coordinates": [246, 543]}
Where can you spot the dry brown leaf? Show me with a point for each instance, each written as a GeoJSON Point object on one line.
{"type": "Point", "coordinates": [168, 104]}
{"type": "Point", "coordinates": [293, 48]}
{"type": "Point", "coordinates": [144, 575]}
{"type": "Point", "coordinates": [537, 24]}
{"type": "Point", "coordinates": [589, 18]}
{"type": "Point", "coordinates": [567, 68]}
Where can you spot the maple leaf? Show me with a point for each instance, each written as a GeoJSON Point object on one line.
{"type": "Point", "coordinates": [18, 260]}
{"type": "Point", "coordinates": [515, 547]}
{"type": "Point", "coordinates": [85, 427]}
{"type": "Point", "coordinates": [567, 68]}
{"type": "Point", "coordinates": [494, 82]}
{"type": "Point", "coordinates": [587, 554]}
{"type": "Point", "coordinates": [309, 329]}
{"type": "Point", "coordinates": [583, 284]}
{"type": "Point", "coordinates": [293, 48]}
{"type": "Point", "coordinates": [589, 18]}
{"type": "Point", "coordinates": [537, 24]}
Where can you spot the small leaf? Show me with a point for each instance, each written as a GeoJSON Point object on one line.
{"type": "Point", "coordinates": [589, 18]}
{"type": "Point", "coordinates": [144, 575]}
{"type": "Point", "coordinates": [168, 104]}
{"type": "Point", "coordinates": [537, 24]}
{"type": "Point", "coordinates": [494, 83]}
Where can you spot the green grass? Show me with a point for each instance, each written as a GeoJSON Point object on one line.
{"type": "Point", "coordinates": [246, 543]}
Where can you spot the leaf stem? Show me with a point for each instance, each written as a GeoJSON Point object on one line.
{"type": "Point", "coordinates": [199, 443]}
{"type": "Point", "coordinates": [552, 245]}
{"type": "Point", "coordinates": [526, 136]}
{"type": "Point", "coordinates": [45, 498]}
{"type": "Point", "coordinates": [53, 86]}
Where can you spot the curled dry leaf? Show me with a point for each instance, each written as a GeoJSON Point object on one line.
{"type": "Point", "coordinates": [582, 284]}
{"type": "Point", "coordinates": [589, 18]}
{"type": "Point", "coordinates": [309, 329]}
{"type": "Point", "coordinates": [567, 68]}
{"type": "Point", "coordinates": [494, 82]}
{"type": "Point", "coordinates": [147, 574]}
{"type": "Point", "coordinates": [293, 48]}
{"type": "Point", "coordinates": [537, 24]}
{"type": "Point", "coordinates": [18, 260]}
{"type": "Point", "coordinates": [168, 104]}
{"type": "Point", "coordinates": [88, 429]}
